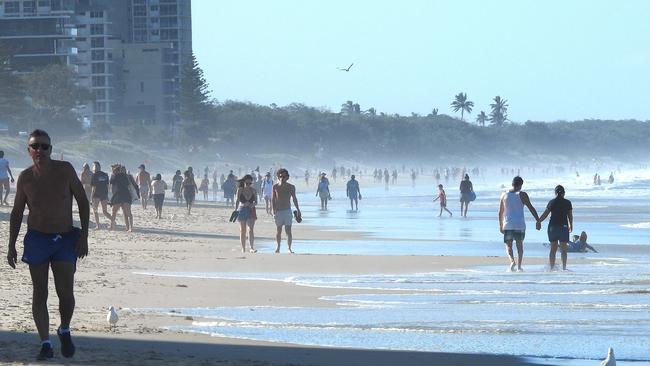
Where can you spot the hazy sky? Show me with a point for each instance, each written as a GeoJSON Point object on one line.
{"type": "Point", "coordinates": [552, 60]}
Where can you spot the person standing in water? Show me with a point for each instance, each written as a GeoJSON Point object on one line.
{"type": "Point", "coordinates": [267, 192]}
{"type": "Point", "coordinates": [512, 223]}
{"type": "Point", "coordinates": [466, 191]}
{"type": "Point", "coordinates": [442, 196]}
{"type": "Point", "coordinates": [323, 191]}
{"type": "Point", "coordinates": [283, 193]}
{"type": "Point", "coordinates": [48, 188]}
{"type": "Point", "coordinates": [353, 193]}
{"type": "Point", "coordinates": [560, 225]}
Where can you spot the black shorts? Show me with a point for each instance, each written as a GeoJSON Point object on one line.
{"type": "Point", "coordinates": [513, 235]}
{"type": "Point", "coordinates": [558, 233]}
{"type": "Point", "coordinates": [158, 200]}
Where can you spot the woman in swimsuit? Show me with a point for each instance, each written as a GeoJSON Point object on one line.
{"type": "Point", "coordinates": [245, 204]}
{"type": "Point", "coordinates": [189, 190]}
{"type": "Point", "coordinates": [122, 197]}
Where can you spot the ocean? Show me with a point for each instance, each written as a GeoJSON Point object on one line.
{"type": "Point", "coordinates": [557, 317]}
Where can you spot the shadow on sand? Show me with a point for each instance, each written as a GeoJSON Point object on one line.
{"type": "Point", "coordinates": [22, 347]}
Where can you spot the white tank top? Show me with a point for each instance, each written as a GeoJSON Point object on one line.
{"type": "Point", "coordinates": [514, 212]}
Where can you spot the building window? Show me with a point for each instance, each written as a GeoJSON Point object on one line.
{"type": "Point", "coordinates": [140, 11]}
{"type": "Point", "coordinates": [168, 9]}
{"type": "Point", "coordinates": [140, 22]}
{"type": "Point", "coordinates": [100, 107]}
{"type": "Point", "coordinates": [96, 29]}
{"type": "Point", "coordinates": [154, 8]}
{"type": "Point", "coordinates": [154, 20]}
{"type": "Point", "coordinates": [100, 94]}
{"type": "Point", "coordinates": [96, 14]}
{"type": "Point", "coordinates": [97, 55]}
{"type": "Point", "coordinates": [98, 68]}
{"type": "Point", "coordinates": [167, 34]}
{"type": "Point", "coordinates": [168, 22]}
{"type": "Point", "coordinates": [43, 3]}
{"type": "Point", "coordinates": [99, 81]}
{"type": "Point", "coordinates": [97, 42]}
{"type": "Point", "coordinates": [29, 7]}
{"type": "Point", "coordinates": [155, 32]}
{"type": "Point", "coordinates": [140, 35]}
{"type": "Point", "coordinates": [12, 7]}
{"type": "Point", "coordinates": [142, 87]}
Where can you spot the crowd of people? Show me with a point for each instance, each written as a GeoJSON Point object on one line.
{"type": "Point", "coordinates": [49, 186]}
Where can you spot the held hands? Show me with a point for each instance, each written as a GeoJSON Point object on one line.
{"type": "Point", "coordinates": [12, 257]}
{"type": "Point", "coordinates": [538, 225]}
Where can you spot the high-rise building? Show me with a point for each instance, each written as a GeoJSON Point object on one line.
{"type": "Point", "coordinates": [130, 53]}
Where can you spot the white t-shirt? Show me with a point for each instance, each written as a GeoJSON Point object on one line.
{"type": "Point", "coordinates": [4, 165]}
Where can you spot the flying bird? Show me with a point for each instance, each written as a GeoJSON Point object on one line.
{"type": "Point", "coordinates": [348, 68]}
{"type": "Point", "coordinates": [112, 317]}
{"type": "Point", "coordinates": [610, 360]}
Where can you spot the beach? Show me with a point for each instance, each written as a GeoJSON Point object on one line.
{"type": "Point", "coordinates": [186, 294]}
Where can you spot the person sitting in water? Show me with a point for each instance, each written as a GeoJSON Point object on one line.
{"type": "Point", "coordinates": [579, 244]}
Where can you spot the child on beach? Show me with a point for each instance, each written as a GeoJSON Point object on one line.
{"type": "Point", "coordinates": [442, 196]}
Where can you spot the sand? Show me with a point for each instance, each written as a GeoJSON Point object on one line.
{"type": "Point", "coordinates": [204, 241]}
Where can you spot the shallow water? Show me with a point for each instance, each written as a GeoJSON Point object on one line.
{"type": "Point", "coordinates": [565, 318]}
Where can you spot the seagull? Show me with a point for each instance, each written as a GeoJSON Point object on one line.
{"type": "Point", "coordinates": [610, 360]}
{"type": "Point", "coordinates": [112, 317]}
{"type": "Point", "coordinates": [348, 69]}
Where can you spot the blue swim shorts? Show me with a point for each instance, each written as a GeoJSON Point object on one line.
{"type": "Point", "coordinates": [43, 248]}
{"type": "Point", "coordinates": [513, 235]}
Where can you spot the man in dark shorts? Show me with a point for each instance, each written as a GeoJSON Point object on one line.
{"type": "Point", "coordinates": [353, 193]}
{"type": "Point", "coordinates": [559, 226]}
{"type": "Point", "coordinates": [48, 187]}
{"type": "Point", "coordinates": [512, 222]}
{"type": "Point", "coordinates": [99, 195]}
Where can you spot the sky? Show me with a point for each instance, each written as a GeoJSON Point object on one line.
{"type": "Point", "coordinates": [552, 60]}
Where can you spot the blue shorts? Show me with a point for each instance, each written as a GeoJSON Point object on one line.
{"type": "Point", "coordinates": [43, 248]}
{"type": "Point", "coordinates": [558, 233]}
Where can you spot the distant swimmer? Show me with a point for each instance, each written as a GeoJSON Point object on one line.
{"type": "Point", "coordinates": [560, 225]}
{"type": "Point", "coordinates": [353, 193]}
{"type": "Point", "coordinates": [442, 196]}
{"type": "Point", "coordinates": [283, 194]}
{"type": "Point", "coordinates": [512, 223]}
{"type": "Point", "coordinates": [346, 69]}
{"type": "Point", "coordinates": [5, 174]}
{"type": "Point", "coordinates": [579, 244]}
{"type": "Point", "coordinates": [611, 178]}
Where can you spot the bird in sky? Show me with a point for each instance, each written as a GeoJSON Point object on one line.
{"type": "Point", "coordinates": [346, 69]}
{"type": "Point", "coordinates": [112, 317]}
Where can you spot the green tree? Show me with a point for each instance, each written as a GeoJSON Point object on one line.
{"type": "Point", "coordinates": [53, 92]}
{"type": "Point", "coordinates": [433, 113]}
{"type": "Point", "coordinates": [481, 118]}
{"type": "Point", "coordinates": [194, 95]}
{"type": "Point", "coordinates": [461, 104]}
{"type": "Point", "coordinates": [499, 113]}
{"type": "Point", "coordinates": [13, 106]}
{"type": "Point", "coordinates": [349, 108]}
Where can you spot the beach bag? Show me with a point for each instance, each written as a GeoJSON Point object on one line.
{"type": "Point", "coordinates": [472, 196]}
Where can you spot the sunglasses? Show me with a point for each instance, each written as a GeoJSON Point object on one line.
{"type": "Point", "coordinates": [37, 146]}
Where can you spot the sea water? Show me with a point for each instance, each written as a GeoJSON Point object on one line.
{"type": "Point", "coordinates": [565, 317]}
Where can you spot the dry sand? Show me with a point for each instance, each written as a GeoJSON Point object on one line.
{"type": "Point", "coordinates": [205, 241]}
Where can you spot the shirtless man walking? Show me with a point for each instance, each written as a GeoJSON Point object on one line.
{"type": "Point", "coordinates": [143, 180]}
{"type": "Point", "coordinates": [283, 193]}
{"type": "Point", "coordinates": [48, 187]}
{"type": "Point", "coordinates": [512, 223]}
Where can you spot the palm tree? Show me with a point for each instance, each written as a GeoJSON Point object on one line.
{"type": "Point", "coordinates": [433, 113]}
{"type": "Point", "coordinates": [461, 104]}
{"type": "Point", "coordinates": [347, 108]}
{"type": "Point", "coordinates": [499, 113]}
{"type": "Point", "coordinates": [481, 118]}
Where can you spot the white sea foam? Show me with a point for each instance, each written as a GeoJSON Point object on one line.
{"type": "Point", "coordinates": [641, 225]}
